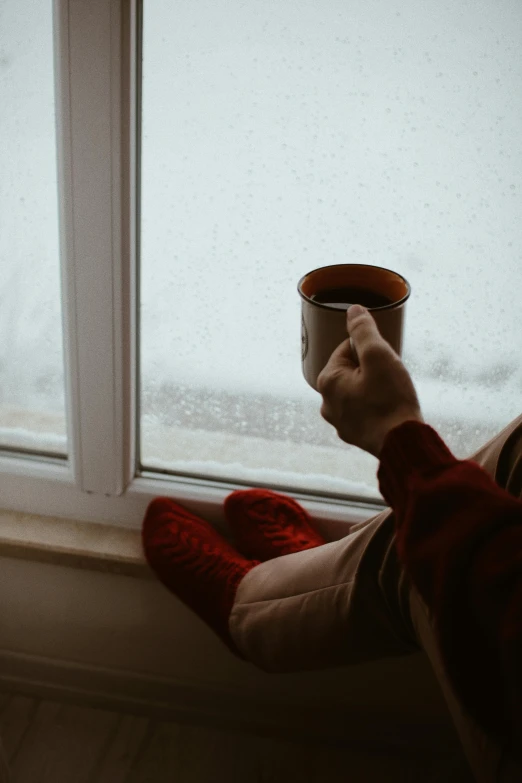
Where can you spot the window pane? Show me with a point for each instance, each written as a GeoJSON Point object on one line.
{"type": "Point", "coordinates": [281, 137]}
{"type": "Point", "coordinates": [31, 363]}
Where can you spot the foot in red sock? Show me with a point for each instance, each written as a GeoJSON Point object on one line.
{"type": "Point", "coordinates": [266, 524]}
{"type": "Point", "coordinates": [194, 562]}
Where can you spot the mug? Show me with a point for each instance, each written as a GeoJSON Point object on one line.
{"type": "Point", "coordinates": [323, 325]}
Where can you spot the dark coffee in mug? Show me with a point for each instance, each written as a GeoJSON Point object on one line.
{"type": "Point", "coordinates": [342, 298]}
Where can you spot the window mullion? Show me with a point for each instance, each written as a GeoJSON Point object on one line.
{"type": "Point", "coordinates": [95, 92]}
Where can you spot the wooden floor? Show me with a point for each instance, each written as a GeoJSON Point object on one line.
{"type": "Point", "coordinates": [51, 742]}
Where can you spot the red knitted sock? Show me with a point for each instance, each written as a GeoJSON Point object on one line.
{"type": "Point", "coordinates": [194, 562]}
{"type": "Point", "coordinates": [266, 524]}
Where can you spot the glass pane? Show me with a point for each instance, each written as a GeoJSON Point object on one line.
{"type": "Point", "coordinates": [31, 362]}
{"type": "Point", "coordinates": [281, 137]}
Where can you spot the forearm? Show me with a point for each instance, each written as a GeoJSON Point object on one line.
{"type": "Point", "coordinates": [459, 537]}
{"type": "Point", "coordinates": [447, 510]}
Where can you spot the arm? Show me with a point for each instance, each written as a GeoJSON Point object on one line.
{"type": "Point", "coordinates": [459, 537]}
{"type": "Point", "coordinates": [458, 534]}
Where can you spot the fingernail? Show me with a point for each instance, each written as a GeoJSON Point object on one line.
{"type": "Point", "coordinates": [354, 311]}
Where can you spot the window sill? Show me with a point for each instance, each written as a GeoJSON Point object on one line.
{"type": "Point", "coordinates": [73, 543]}
{"type": "Point", "coordinates": [99, 546]}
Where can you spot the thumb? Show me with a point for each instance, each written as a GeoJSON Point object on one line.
{"type": "Point", "coordinates": [362, 329]}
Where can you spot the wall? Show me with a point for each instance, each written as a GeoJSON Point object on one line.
{"type": "Point", "coordinates": [127, 639]}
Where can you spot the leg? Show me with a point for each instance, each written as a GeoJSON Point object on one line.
{"type": "Point", "coordinates": [343, 602]}
{"type": "Point", "coordinates": [326, 607]}
{"type": "Point", "coordinates": [312, 609]}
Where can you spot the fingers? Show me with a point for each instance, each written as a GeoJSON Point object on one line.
{"type": "Point", "coordinates": [343, 356]}
{"type": "Point", "coordinates": [363, 350]}
{"type": "Point", "coordinates": [364, 332]}
{"type": "Point", "coordinates": [353, 352]}
{"type": "Point", "coordinates": [339, 362]}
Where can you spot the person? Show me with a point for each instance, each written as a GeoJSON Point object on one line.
{"type": "Point", "coordinates": [440, 570]}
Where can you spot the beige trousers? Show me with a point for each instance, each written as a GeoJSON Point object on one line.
{"type": "Point", "coordinates": [350, 601]}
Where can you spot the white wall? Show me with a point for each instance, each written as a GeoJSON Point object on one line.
{"type": "Point", "coordinates": [134, 625]}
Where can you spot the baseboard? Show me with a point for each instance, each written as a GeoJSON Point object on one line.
{"type": "Point", "coordinates": [171, 700]}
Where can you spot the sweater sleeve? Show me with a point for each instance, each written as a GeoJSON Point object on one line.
{"type": "Point", "coordinates": [459, 537]}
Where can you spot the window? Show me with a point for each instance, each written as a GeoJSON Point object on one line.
{"type": "Point", "coordinates": [208, 155]}
{"type": "Point", "coordinates": [32, 405]}
{"type": "Point", "coordinates": [280, 138]}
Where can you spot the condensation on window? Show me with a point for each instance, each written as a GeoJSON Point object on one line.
{"type": "Point", "coordinates": [32, 406]}
{"type": "Point", "coordinates": [281, 137]}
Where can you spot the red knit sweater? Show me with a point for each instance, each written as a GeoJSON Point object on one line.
{"type": "Point", "coordinates": [459, 537]}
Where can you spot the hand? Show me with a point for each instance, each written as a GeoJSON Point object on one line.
{"type": "Point", "coordinates": [365, 401]}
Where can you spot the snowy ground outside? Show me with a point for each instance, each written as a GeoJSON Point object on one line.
{"type": "Point", "coordinates": [278, 138]}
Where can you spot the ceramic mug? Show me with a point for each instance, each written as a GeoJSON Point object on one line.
{"type": "Point", "coordinates": [323, 325]}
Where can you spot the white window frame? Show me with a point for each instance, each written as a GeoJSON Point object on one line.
{"type": "Point", "coordinates": [97, 64]}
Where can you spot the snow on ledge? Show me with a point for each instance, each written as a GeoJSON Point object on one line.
{"type": "Point", "coordinates": [341, 470]}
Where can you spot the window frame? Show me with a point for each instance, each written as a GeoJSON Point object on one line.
{"type": "Point", "coordinates": [97, 65]}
